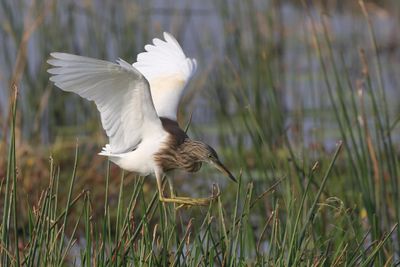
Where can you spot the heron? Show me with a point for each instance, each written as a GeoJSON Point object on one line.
{"type": "Point", "coordinates": [138, 105]}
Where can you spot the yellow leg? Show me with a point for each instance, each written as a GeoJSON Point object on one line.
{"type": "Point", "coordinates": [185, 200]}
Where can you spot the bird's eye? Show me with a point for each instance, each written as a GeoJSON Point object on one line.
{"type": "Point", "coordinates": [209, 155]}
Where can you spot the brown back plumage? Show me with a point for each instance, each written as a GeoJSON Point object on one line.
{"type": "Point", "coordinates": [178, 150]}
{"type": "Point", "coordinates": [172, 127]}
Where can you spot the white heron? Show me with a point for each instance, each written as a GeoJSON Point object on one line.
{"type": "Point", "coordinates": [138, 106]}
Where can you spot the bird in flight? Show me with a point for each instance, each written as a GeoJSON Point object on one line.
{"type": "Point", "coordinates": [138, 106]}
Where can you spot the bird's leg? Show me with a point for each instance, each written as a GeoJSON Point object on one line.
{"type": "Point", "coordinates": [184, 200]}
{"type": "Point", "coordinates": [171, 188]}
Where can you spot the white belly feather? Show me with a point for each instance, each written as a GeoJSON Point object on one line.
{"type": "Point", "coordinates": [141, 160]}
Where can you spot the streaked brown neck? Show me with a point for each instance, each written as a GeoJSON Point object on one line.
{"type": "Point", "coordinates": [176, 153]}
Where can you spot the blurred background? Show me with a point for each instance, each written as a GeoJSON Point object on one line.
{"type": "Point", "coordinates": [279, 83]}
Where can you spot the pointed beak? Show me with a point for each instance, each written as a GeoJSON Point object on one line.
{"type": "Point", "coordinates": [217, 164]}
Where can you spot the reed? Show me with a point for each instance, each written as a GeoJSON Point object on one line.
{"type": "Point", "coordinates": [299, 201]}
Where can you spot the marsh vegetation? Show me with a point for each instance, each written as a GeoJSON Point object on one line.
{"type": "Point", "coordinates": [300, 99]}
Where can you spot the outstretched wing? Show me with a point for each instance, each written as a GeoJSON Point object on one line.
{"type": "Point", "coordinates": [168, 71]}
{"type": "Point", "coordinates": [120, 92]}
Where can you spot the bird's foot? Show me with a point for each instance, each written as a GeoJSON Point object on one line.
{"type": "Point", "coordinates": [188, 201]}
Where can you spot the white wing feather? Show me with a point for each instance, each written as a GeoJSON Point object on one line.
{"type": "Point", "coordinates": [168, 71]}
{"type": "Point", "coordinates": [120, 92]}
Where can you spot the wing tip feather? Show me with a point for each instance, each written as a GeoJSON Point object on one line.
{"type": "Point", "coordinates": [164, 57]}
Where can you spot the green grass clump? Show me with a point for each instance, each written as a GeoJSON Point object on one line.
{"type": "Point", "coordinates": [324, 196]}
{"type": "Point", "coordinates": [142, 231]}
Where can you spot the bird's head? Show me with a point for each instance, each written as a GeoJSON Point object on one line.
{"type": "Point", "coordinates": [205, 153]}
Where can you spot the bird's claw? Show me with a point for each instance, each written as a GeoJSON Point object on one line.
{"type": "Point", "coordinates": [215, 191]}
